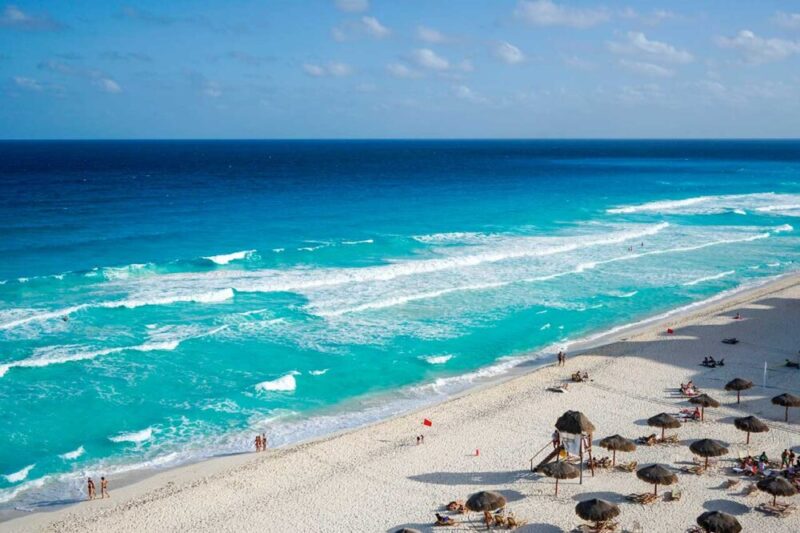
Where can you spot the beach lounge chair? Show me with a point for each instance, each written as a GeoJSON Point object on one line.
{"type": "Point", "coordinates": [627, 467]}
{"type": "Point", "coordinates": [645, 499]}
{"type": "Point", "coordinates": [777, 509]}
{"type": "Point", "coordinates": [731, 483]}
{"type": "Point", "coordinates": [732, 340]}
{"type": "Point", "coordinates": [674, 495]}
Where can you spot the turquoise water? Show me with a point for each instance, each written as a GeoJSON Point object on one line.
{"type": "Point", "coordinates": [162, 301]}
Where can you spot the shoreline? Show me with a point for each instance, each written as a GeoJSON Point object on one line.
{"type": "Point", "coordinates": [141, 483]}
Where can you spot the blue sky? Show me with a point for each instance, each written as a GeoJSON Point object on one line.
{"type": "Point", "coordinates": [401, 68]}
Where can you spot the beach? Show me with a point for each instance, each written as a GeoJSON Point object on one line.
{"type": "Point", "coordinates": [378, 479]}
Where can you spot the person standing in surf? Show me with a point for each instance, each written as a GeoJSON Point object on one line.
{"type": "Point", "coordinates": [104, 488]}
{"type": "Point", "coordinates": [90, 488]}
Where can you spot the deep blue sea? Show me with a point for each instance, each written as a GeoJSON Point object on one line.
{"type": "Point", "coordinates": [163, 301]}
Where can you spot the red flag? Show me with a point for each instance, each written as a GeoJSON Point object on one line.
{"type": "Point", "coordinates": [427, 422]}
{"type": "Point", "coordinates": [669, 330]}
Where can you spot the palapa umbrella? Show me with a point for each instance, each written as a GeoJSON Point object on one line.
{"type": "Point", "coordinates": [560, 470]}
{"type": "Point", "coordinates": [718, 522]}
{"type": "Point", "coordinates": [656, 475]}
{"type": "Point", "coordinates": [617, 443]}
{"type": "Point", "coordinates": [597, 511]}
{"type": "Point", "coordinates": [708, 448]}
{"type": "Point", "coordinates": [703, 400]}
{"type": "Point", "coordinates": [777, 486]}
{"type": "Point", "coordinates": [574, 422]}
{"type": "Point", "coordinates": [750, 424]}
{"type": "Point", "coordinates": [786, 400]}
{"type": "Point", "coordinates": [663, 421]}
{"type": "Point", "coordinates": [486, 501]}
{"type": "Point", "coordinates": [738, 385]}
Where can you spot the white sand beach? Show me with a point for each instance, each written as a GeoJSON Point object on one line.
{"type": "Point", "coordinates": [377, 479]}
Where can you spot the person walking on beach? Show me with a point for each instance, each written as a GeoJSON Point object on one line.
{"type": "Point", "coordinates": [258, 443]}
{"type": "Point", "coordinates": [104, 488]}
{"type": "Point", "coordinates": [90, 488]}
{"type": "Point", "coordinates": [263, 442]}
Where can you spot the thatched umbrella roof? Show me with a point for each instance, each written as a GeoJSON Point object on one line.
{"type": "Point", "coordinates": [663, 421]}
{"type": "Point", "coordinates": [708, 448]}
{"type": "Point", "coordinates": [560, 470]}
{"type": "Point", "coordinates": [703, 400]}
{"type": "Point", "coordinates": [617, 443]}
{"type": "Point", "coordinates": [777, 486]}
{"type": "Point", "coordinates": [656, 475]}
{"type": "Point", "coordinates": [750, 424]}
{"type": "Point", "coordinates": [786, 400]}
{"type": "Point", "coordinates": [738, 385]}
{"type": "Point", "coordinates": [718, 522]}
{"type": "Point", "coordinates": [595, 510]}
{"type": "Point", "coordinates": [574, 422]}
{"type": "Point", "coordinates": [486, 501]}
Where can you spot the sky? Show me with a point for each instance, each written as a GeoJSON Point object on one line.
{"type": "Point", "coordinates": [399, 69]}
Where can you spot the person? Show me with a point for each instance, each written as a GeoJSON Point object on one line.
{"type": "Point", "coordinates": [264, 442]}
{"type": "Point", "coordinates": [258, 443]}
{"type": "Point", "coordinates": [737, 317]}
{"type": "Point", "coordinates": [705, 361]}
{"type": "Point", "coordinates": [422, 439]}
{"type": "Point", "coordinates": [444, 520]}
{"type": "Point", "coordinates": [90, 488]}
{"type": "Point", "coordinates": [791, 456]}
{"type": "Point", "coordinates": [696, 413]}
{"type": "Point", "coordinates": [417, 440]}
{"type": "Point", "coordinates": [763, 457]}
{"type": "Point", "coordinates": [784, 458]}
{"type": "Point", "coordinates": [563, 358]}
{"type": "Point", "coordinates": [104, 488]}
{"type": "Point", "coordinates": [558, 357]}
{"type": "Point", "coordinates": [556, 439]}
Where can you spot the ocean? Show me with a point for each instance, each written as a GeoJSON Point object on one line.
{"type": "Point", "coordinates": [163, 301]}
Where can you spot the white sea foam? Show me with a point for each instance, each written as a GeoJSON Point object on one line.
{"type": "Point", "coordinates": [74, 454]}
{"type": "Point", "coordinates": [365, 241]}
{"type": "Point", "coordinates": [318, 372]}
{"type": "Point", "coordinates": [285, 383]}
{"type": "Point", "coordinates": [134, 436]}
{"type": "Point", "coordinates": [763, 203]}
{"type": "Point", "coordinates": [20, 475]}
{"type": "Point", "coordinates": [709, 278]}
{"type": "Point", "coordinates": [630, 294]}
{"type": "Point", "coordinates": [53, 355]}
{"type": "Point", "coordinates": [455, 237]}
{"type": "Point", "coordinates": [124, 272]}
{"type": "Point", "coordinates": [437, 359]}
{"type": "Point", "coordinates": [224, 259]}
{"type": "Point", "coordinates": [783, 228]}
{"type": "Point", "coordinates": [546, 326]}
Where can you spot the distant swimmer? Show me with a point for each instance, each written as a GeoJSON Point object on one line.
{"type": "Point", "coordinates": [104, 488]}
{"type": "Point", "coordinates": [90, 488]}
{"type": "Point", "coordinates": [65, 318]}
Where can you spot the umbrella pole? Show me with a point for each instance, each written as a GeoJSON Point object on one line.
{"type": "Point", "coordinates": [702, 414]}
{"type": "Point", "coordinates": [738, 397]}
{"type": "Point", "coordinates": [706, 467]}
{"type": "Point", "coordinates": [591, 461]}
{"type": "Point", "coordinates": [662, 434]}
{"type": "Point", "coordinates": [556, 486]}
{"type": "Point", "coordinates": [655, 490]}
{"type": "Point", "coordinates": [748, 438]}
{"type": "Point", "coordinates": [581, 454]}
{"type": "Point", "coordinates": [786, 416]}
{"type": "Point", "coordinates": [614, 458]}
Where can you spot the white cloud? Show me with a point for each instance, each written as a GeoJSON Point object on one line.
{"type": "Point", "coordinates": [755, 49]}
{"type": "Point", "coordinates": [13, 17]}
{"type": "Point", "coordinates": [647, 69]}
{"type": "Point", "coordinates": [430, 35]}
{"type": "Point", "coordinates": [29, 84]}
{"type": "Point", "coordinates": [465, 93]}
{"type": "Point", "coordinates": [399, 70]}
{"type": "Point", "coordinates": [374, 27]}
{"type": "Point", "coordinates": [653, 18]}
{"type": "Point", "coordinates": [352, 6]}
{"type": "Point", "coordinates": [427, 58]}
{"type": "Point", "coordinates": [508, 53]}
{"type": "Point", "coordinates": [548, 13]}
{"type": "Point", "coordinates": [788, 20]}
{"type": "Point", "coordinates": [108, 85]}
{"type": "Point", "coordinates": [334, 69]}
{"type": "Point", "coordinates": [639, 44]}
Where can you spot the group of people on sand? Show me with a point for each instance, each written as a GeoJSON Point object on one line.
{"type": "Point", "coordinates": [562, 358]}
{"type": "Point", "coordinates": [261, 442]}
{"type": "Point", "coordinates": [420, 439]}
{"type": "Point", "coordinates": [689, 389]}
{"type": "Point", "coordinates": [92, 491]}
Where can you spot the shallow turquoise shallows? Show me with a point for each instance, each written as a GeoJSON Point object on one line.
{"type": "Point", "coordinates": [161, 302]}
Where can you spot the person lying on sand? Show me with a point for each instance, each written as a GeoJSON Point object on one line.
{"type": "Point", "coordinates": [444, 520]}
